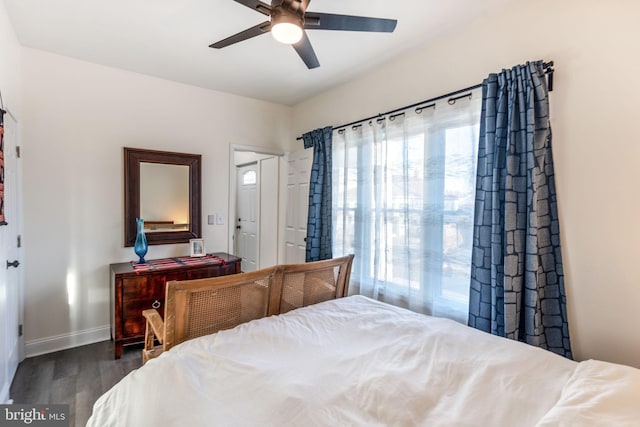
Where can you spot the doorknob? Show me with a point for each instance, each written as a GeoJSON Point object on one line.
{"type": "Point", "coordinates": [238, 227]}
{"type": "Point", "coordinates": [15, 263]}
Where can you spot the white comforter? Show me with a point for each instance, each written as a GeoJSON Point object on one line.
{"type": "Point", "coordinates": [359, 362]}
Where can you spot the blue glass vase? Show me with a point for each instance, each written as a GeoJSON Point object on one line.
{"type": "Point", "coordinates": [140, 247]}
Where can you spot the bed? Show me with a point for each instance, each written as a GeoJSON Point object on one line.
{"type": "Point", "coordinates": [354, 361]}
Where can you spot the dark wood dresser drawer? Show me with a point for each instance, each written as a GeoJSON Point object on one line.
{"type": "Point", "coordinates": [133, 323]}
{"type": "Point", "coordinates": [201, 273]}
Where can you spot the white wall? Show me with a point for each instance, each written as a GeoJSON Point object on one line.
{"type": "Point", "coordinates": [77, 118]}
{"type": "Point", "coordinates": [595, 112]}
{"type": "Point", "coordinates": [10, 65]}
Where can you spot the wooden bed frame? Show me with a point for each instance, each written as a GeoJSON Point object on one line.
{"type": "Point", "coordinates": [194, 308]}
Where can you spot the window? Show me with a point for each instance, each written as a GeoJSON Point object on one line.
{"type": "Point", "coordinates": [249, 178]}
{"type": "Point", "coordinates": [403, 202]}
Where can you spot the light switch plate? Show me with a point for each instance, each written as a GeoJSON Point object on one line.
{"type": "Point", "coordinates": [211, 219]}
{"type": "Point", "coordinates": [220, 219]}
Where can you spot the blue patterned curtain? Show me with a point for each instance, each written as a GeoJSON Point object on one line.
{"type": "Point", "coordinates": [517, 281]}
{"type": "Point", "coordinates": [319, 222]}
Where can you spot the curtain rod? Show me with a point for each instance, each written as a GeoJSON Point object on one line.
{"type": "Point", "coordinates": [426, 101]}
{"type": "Point", "coordinates": [547, 66]}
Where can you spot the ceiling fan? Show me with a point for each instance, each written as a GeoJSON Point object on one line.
{"type": "Point", "coordinates": [289, 18]}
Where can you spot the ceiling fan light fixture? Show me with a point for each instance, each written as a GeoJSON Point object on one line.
{"type": "Point", "coordinates": [286, 29]}
{"type": "Point", "coordinates": [286, 32]}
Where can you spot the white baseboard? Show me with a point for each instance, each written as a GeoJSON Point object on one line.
{"type": "Point", "coordinates": [65, 341]}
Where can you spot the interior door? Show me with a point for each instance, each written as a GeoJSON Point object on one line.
{"type": "Point", "coordinates": [298, 176]}
{"type": "Point", "coordinates": [247, 202]}
{"type": "Point", "coordinates": [11, 271]}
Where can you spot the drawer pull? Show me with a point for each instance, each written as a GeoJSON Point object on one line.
{"type": "Point", "coordinates": [156, 304]}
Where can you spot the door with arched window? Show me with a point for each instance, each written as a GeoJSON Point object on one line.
{"type": "Point", "coordinates": [246, 235]}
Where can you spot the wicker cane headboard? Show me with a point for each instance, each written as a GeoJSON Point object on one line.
{"type": "Point", "coordinates": [194, 308]}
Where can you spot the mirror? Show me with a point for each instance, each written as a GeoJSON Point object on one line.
{"type": "Point", "coordinates": [163, 188]}
{"type": "Point", "coordinates": [164, 197]}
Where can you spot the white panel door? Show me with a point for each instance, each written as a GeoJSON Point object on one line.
{"type": "Point", "coordinates": [268, 212]}
{"type": "Point", "coordinates": [298, 176]}
{"type": "Point", "coordinates": [247, 215]}
{"type": "Point", "coordinates": [10, 277]}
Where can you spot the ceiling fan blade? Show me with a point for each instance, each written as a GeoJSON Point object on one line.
{"type": "Point", "coordinates": [305, 50]}
{"type": "Point", "coordinates": [259, 29]}
{"type": "Point", "coordinates": [329, 21]}
{"type": "Point", "coordinates": [261, 7]}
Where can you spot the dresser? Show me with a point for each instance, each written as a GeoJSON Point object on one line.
{"type": "Point", "coordinates": [134, 290]}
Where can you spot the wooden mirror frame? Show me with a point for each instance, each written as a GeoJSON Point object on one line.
{"type": "Point", "coordinates": [132, 159]}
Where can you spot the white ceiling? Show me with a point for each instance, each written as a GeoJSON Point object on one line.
{"type": "Point", "coordinates": [170, 39]}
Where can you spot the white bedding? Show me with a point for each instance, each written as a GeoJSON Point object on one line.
{"type": "Point", "coordinates": [598, 394]}
{"type": "Point", "coordinates": [355, 361]}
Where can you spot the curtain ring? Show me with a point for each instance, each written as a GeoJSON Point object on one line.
{"type": "Point", "coordinates": [452, 101]}
{"type": "Point", "coordinates": [419, 110]}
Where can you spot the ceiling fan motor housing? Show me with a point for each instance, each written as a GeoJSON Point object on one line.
{"type": "Point", "coordinates": [290, 11]}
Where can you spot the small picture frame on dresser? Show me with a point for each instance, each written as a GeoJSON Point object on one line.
{"type": "Point", "coordinates": [197, 247]}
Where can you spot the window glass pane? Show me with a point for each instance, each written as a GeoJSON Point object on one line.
{"type": "Point", "coordinates": [249, 178]}
{"type": "Point", "coordinates": [459, 194]}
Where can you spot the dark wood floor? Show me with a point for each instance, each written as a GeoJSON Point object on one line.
{"type": "Point", "coordinates": [77, 376]}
